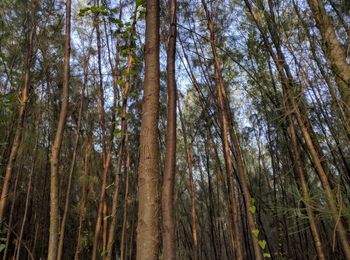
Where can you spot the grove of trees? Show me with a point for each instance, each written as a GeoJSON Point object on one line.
{"type": "Point", "coordinates": [174, 129]}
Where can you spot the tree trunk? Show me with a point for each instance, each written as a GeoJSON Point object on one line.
{"type": "Point", "coordinates": [21, 113]}
{"type": "Point", "coordinates": [226, 132]}
{"type": "Point", "coordinates": [148, 193]}
{"type": "Point", "coordinates": [72, 166]}
{"type": "Point", "coordinates": [29, 189]}
{"type": "Point", "coordinates": [56, 146]}
{"type": "Point", "coordinates": [334, 52]}
{"type": "Point", "coordinates": [169, 246]}
{"type": "Point", "coordinates": [305, 190]}
{"type": "Point", "coordinates": [191, 187]}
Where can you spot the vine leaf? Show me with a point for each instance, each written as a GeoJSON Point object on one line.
{"type": "Point", "coordinates": [267, 255]}
{"type": "Point", "coordinates": [262, 243]}
{"type": "Point", "coordinates": [252, 209]}
{"type": "Point", "coordinates": [256, 232]}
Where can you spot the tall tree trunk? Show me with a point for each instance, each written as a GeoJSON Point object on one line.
{"type": "Point", "coordinates": [301, 116]}
{"type": "Point", "coordinates": [56, 146]}
{"type": "Point", "coordinates": [8, 235]}
{"type": "Point", "coordinates": [122, 148]}
{"type": "Point", "coordinates": [29, 189]}
{"type": "Point", "coordinates": [226, 132]}
{"type": "Point", "coordinates": [334, 52]}
{"type": "Point", "coordinates": [148, 183]}
{"type": "Point", "coordinates": [72, 166]}
{"type": "Point", "coordinates": [82, 203]}
{"type": "Point", "coordinates": [191, 187]}
{"type": "Point", "coordinates": [23, 100]}
{"type": "Point", "coordinates": [107, 150]}
{"type": "Point", "coordinates": [301, 175]}
{"type": "Point", "coordinates": [169, 246]}
{"type": "Point", "coordinates": [123, 247]}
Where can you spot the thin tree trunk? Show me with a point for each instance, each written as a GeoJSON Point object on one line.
{"type": "Point", "coordinates": [305, 191]}
{"type": "Point", "coordinates": [56, 146]}
{"type": "Point", "coordinates": [169, 239]}
{"type": "Point", "coordinates": [222, 104]}
{"type": "Point", "coordinates": [29, 189]}
{"type": "Point", "coordinates": [148, 183]}
{"type": "Point", "coordinates": [334, 52]}
{"type": "Point", "coordinates": [191, 186]}
{"type": "Point", "coordinates": [101, 220]}
{"type": "Point", "coordinates": [122, 149]}
{"type": "Point", "coordinates": [82, 205]}
{"type": "Point", "coordinates": [331, 200]}
{"type": "Point", "coordinates": [126, 202]}
{"type": "Point", "coordinates": [8, 235]}
{"type": "Point", "coordinates": [23, 100]}
{"type": "Point", "coordinates": [72, 166]}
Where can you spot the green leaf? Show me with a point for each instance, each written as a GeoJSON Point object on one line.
{"type": "Point", "coordinates": [133, 94]}
{"type": "Point", "coordinates": [139, 3]}
{"type": "Point", "coordinates": [252, 209]}
{"type": "Point", "coordinates": [119, 22]}
{"type": "Point", "coordinates": [104, 253]}
{"type": "Point", "coordinates": [256, 232]}
{"type": "Point", "coordinates": [128, 116]}
{"type": "Point", "coordinates": [83, 11]}
{"type": "Point", "coordinates": [2, 247]}
{"type": "Point", "coordinates": [267, 255]}
{"type": "Point", "coordinates": [117, 131]}
{"type": "Point", "coordinates": [262, 243]}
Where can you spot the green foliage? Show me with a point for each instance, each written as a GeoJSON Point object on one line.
{"type": "Point", "coordinates": [3, 240]}
{"type": "Point", "coordinates": [252, 209]}
{"type": "Point", "coordinates": [140, 3]}
{"type": "Point", "coordinates": [256, 232]}
{"type": "Point", "coordinates": [7, 101]}
{"type": "Point", "coordinates": [262, 243]}
{"type": "Point", "coordinates": [267, 255]}
{"type": "Point", "coordinates": [103, 10]}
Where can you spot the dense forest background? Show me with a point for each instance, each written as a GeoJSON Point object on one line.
{"type": "Point", "coordinates": [204, 129]}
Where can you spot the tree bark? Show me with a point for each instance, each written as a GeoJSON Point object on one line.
{"type": "Point", "coordinates": [72, 166]}
{"type": "Point", "coordinates": [169, 246]}
{"type": "Point", "coordinates": [23, 100]}
{"type": "Point", "coordinates": [334, 52]}
{"type": "Point", "coordinates": [148, 183]}
{"type": "Point", "coordinates": [56, 146]}
{"type": "Point", "coordinates": [226, 132]}
{"type": "Point", "coordinates": [191, 187]}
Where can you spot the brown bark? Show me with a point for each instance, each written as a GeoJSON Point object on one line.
{"type": "Point", "coordinates": [29, 189]}
{"type": "Point", "coordinates": [101, 206]}
{"type": "Point", "coordinates": [169, 246]}
{"type": "Point", "coordinates": [148, 193]}
{"type": "Point", "coordinates": [8, 235]}
{"type": "Point", "coordinates": [305, 127]}
{"type": "Point", "coordinates": [191, 186]}
{"type": "Point", "coordinates": [56, 146]}
{"type": "Point", "coordinates": [23, 100]}
{"type": "Point", "coordinates": [122, 149]}
{"type": "Point", "coordinates": [322, 173]}
{"type": "Point", "coordinates": [123, 247]}
{"type": "Point", "coordinates": [334, 52]}
{"type": "Point", "coordinates": [82, 206]}
{"type": "Point", "coordinates": [101, 221]}
{"type": "Point", "coordinates": [226, 132]}
{"type": "Point", "coordinates": [72, 166]}
{"type": "Point", "coordinates": [301, 175]}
